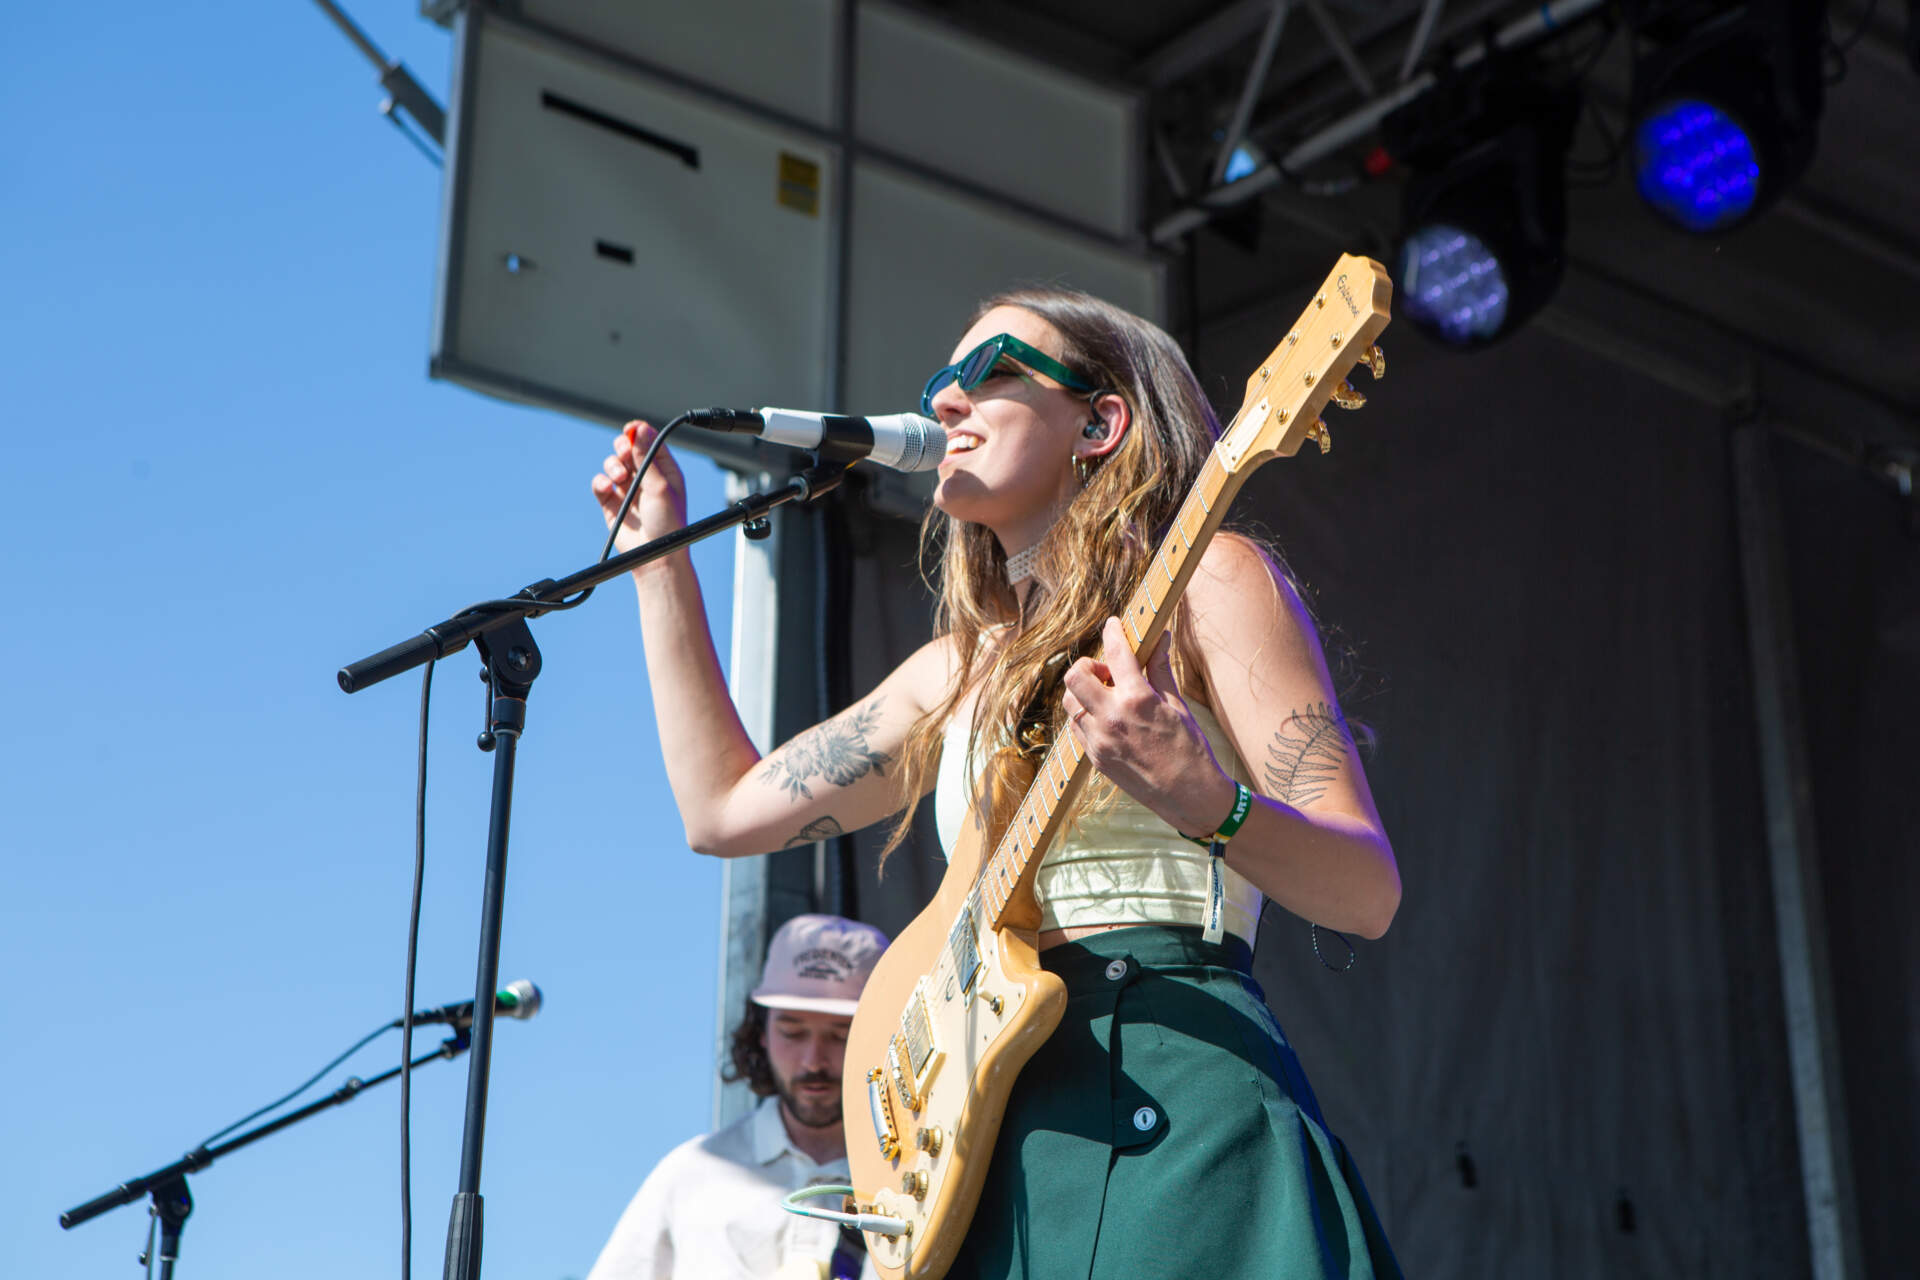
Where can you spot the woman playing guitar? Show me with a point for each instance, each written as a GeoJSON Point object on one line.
{"type": "Point", "coordinates": [1165, 1128]}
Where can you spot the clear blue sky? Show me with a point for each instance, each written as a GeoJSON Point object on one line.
{"type": "Point", "coordinates": [227, 473]}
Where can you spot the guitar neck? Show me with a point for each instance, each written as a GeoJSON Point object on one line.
{"type": "Point", "coordinates": [1005, 887]}
{"type": "Point", "coordinates": [1280, 412]}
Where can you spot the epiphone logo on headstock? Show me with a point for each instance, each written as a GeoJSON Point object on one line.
{"type": "Point", "coordinates": [1346, 295]}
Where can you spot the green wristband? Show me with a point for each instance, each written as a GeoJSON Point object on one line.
{"type": "Point", "coordinates": [1242, 806]}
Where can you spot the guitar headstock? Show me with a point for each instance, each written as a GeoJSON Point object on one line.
{"type": "Point", "coordinates": [1286, 393]}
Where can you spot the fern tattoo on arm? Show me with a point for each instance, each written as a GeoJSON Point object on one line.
{"type": "Point", "coordinates": [1307, 754]}
{"type": "Point", "coordinates": [836, 751]}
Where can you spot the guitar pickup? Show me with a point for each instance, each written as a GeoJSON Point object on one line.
{"type": "Point", "coordinates": [913, 1055]}
{"type": "Point", "coordinates": [963, 951]}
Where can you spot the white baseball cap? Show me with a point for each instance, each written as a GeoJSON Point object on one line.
{"type": "Point", "coordinates": [818, 964]}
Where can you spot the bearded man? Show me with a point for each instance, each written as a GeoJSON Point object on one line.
{"type": "Point", "coordinates": [711, 1209]}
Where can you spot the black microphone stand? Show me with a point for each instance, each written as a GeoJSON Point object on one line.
{"type": "Point", "coordinates": [168, 1186]}
{"type": "Point", "coordinates": [499, 629]}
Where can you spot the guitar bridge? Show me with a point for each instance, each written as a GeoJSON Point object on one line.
{"type": "Point", "coordinates": [882, 1107]}
{"type": "Point", "coordinates": [902, 1078]}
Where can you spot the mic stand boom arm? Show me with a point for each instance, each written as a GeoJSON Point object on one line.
{"type": "Point", "coordinates": [168, 1185]}
{"type": "Point", "coordinates": [453, 635]}
{"type": "Point", "coordinates": [499, 629]}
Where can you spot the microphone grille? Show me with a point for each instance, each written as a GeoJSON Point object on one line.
{"type": "Point", "coordinates": [923, 443]}
{"type": "Point", "coordinates": [526, 999]}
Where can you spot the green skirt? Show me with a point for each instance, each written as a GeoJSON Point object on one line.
{"type": "Point", "coordinates": [1166, 1130]}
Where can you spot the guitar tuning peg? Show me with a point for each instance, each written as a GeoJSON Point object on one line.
{"type": "Point", "coordinates": [1376, 361]}
{"type": "Point", "coordinates": [1346, 397]}
{"type": "Point", "coordinates": [1319, 434]}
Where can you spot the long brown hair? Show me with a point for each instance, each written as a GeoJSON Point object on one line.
{"type": "Point", "coordinates": [1087, 564]}
{"type": "Point", "coordinates": [747, 1049]}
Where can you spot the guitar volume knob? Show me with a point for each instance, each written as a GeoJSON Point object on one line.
{"type": "Point", "coordinates": [929, 1140]}
{"type": "Point", "coordinates": [914, 1183]}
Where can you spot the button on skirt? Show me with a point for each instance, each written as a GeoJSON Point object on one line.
{"type": "Point", "coordinates": [1166, 1130]}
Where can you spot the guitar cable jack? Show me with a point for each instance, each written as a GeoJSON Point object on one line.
{"type": "Point", "coordinates": [878, 1223]}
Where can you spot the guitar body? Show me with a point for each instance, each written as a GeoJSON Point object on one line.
{"type": "Point", "coordinates": [959, 1003]}
{"type": "Point", "coordinates": [962, 1089]}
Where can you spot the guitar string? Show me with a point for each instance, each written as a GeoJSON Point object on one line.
{"type": "Point", "coordinates": [977, 908]}
{"type": "Point", "coordinates": [1006, 854]}
{"type": "Point", "coordinates": [1036, 809]}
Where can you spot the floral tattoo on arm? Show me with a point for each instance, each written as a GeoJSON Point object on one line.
{"type": "Point", "coordinates": [1307, 754]}
{"type": "Point", "coordinates": [836, 751]}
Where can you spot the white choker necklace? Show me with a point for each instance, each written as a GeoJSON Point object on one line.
{"type": "Point", "coordinates": [1020, 564]}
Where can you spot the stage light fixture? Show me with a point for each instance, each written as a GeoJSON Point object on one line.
{"type": "Point", "coordinates": [1484, 213]}
{"type": "Point", "coordinates": [1245, 159]}
{"type": "Point", "coordinates": [1726, 105]}
{"type": "Point", "coordinates": [1454, 284]}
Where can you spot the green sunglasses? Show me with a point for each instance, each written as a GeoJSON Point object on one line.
{"type": "Point", "coordinates": [978, 365]}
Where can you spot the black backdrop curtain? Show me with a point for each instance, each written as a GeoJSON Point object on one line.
{"type": "Point", "coordinates": [1854, 553]}
{"type": "Point", "coordinates": [1568, 1056]}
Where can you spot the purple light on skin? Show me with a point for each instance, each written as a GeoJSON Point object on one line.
{"type": "Point", "coordinates": [1454, 283]}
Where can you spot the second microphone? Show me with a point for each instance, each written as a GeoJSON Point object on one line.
{"type": "Point", "coordinates": [515, 1000]}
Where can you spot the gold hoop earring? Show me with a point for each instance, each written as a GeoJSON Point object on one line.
{"type": "Point", "coordinates": [1083, 467]}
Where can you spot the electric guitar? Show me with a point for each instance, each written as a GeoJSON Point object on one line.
{"type": "Point", "coordinates": [959, 1002]}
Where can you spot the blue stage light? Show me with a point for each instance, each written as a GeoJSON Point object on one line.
{"type": "Point", "coordinates": [1696, 165]}
{"type": "Point", "coordinates": [1484, 212]}
{"type": "Point", "coordinates": [1453, 284]}
{"type": "Point", "coordinates": [1726, 106]}
{"type": "Point", "coordinates": [1239, 164]}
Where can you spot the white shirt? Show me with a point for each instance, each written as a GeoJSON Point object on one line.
{"type": "Point", "coordinates": [711, 1209]}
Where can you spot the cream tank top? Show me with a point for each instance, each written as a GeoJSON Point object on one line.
{"type": "Point", "coordinates": [1116, 865]}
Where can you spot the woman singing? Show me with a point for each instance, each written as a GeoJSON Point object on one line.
{"type": "Point", "coordinates": [1165, 1129]}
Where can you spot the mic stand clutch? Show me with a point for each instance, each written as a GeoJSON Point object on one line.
{"type": "Point", "coordinates": [168, 1186]}
{"type": "Point", "coordinates": [512, 661]}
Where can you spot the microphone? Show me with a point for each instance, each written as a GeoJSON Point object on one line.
{"type": "Point", "coordinates": [903, 441]}
{"type": "Point", "coordinates": [515, 1000]}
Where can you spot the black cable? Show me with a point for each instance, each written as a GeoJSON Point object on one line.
{"type": "Point", "coordinates": [1313, 936]}
{"type": "Point", "coordinates": [413, 955]}
{"type": "Point", "coordinates": [1313, 932]}
{"type": "Point", "coordinates": [1859, 30]}
{"type": "Point", "coordinates": [357, 1045]}
{"type": "Point", "coordinates": [420, 870]}
{"type": "Point", "coordinates": [1833, 61]}
{"type": "Point", "coordinates": [1600, 172]}
{"type": "Point", "coordinates": [1579, 63]}
{"type": "Point", "coordinates": [633, 487]}
{"type": "Point", "coordinates": [518, 604]}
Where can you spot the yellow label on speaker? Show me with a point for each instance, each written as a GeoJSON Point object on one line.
{"type": "Point", "coordinates": [799, 187]}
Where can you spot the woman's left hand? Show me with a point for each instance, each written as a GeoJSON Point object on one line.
{"type": "Point", "coordinates": [1138, 731]}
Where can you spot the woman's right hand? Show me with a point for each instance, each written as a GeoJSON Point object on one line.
{"type": "Point", "coordinates": [661, 506]}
